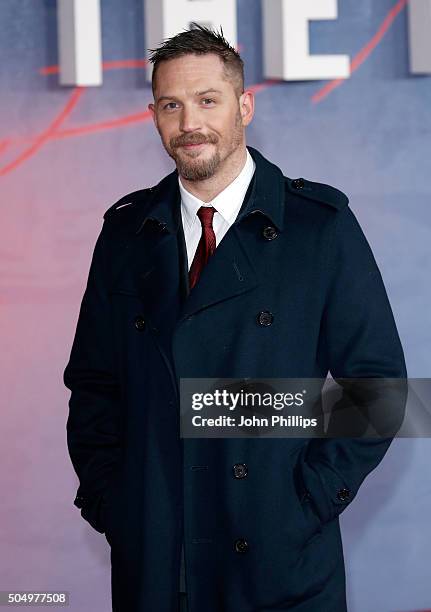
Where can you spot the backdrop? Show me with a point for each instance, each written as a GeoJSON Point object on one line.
{"type": "Point", "coordinates": [67, 154]}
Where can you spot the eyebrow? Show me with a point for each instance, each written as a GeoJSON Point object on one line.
{"type": "Point", "coordinates": [197, 93]}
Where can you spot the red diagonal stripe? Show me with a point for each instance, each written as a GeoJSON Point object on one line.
{"type": "Point", "coordinates": [365, 52]}
{"type": "Point", "coordinates": [46, 134]}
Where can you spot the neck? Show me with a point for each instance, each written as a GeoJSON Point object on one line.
{"type": "Point", "coordinates": [208, 189]}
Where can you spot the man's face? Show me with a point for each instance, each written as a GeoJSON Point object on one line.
{"type": "Point", "coordinates": [197, 113]}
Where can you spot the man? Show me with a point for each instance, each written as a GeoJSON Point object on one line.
{"type": "Point", "coordinates": [225, 269]}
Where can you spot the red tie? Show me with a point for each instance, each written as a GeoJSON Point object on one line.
{"type": "Point", "coordinates": [206, 246]}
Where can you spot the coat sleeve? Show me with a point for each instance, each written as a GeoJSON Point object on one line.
{"type": "Point", "coordinates": [93, 436]}
{"type": "Point", "coordinates": [360, 340]}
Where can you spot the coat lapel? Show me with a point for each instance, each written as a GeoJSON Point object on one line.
{"type": "Point", "coordinates": [228, 273]}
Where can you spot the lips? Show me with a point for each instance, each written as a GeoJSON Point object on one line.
{"type": "Point", "coordinates": [193, 145]}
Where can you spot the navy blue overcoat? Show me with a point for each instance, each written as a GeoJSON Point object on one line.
{"type": "Point", "coordinates": [268, 539]}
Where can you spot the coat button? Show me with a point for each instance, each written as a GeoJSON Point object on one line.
{"type": "Point", "coordinates": [298, 183]}
{"type": "Point", "coordinates": [240, 470]}
{"type": "Point", "coordinates": [269, 233]}
{"type": "Point", "coordinates": [343, 495]}
{"type": "Point", "coordinates": [140, 323]}
{"type": "Point", "coordinates": [265, 318]}
{"type": "Point", "coordinates": [241, 545]}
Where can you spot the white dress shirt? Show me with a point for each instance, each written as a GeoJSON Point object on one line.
{"type": "Point", "coordinates": [227, 205]}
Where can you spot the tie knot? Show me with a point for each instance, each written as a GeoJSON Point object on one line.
{"type": "Point", "coordinates": [206, 214]}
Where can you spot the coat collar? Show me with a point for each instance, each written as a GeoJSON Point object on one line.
{"type": "Point", "coordinates": [268, 186]}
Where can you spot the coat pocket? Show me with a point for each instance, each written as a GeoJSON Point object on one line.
{"type": "Point", "coordinates": [310, 522]}
{"type": "Point", "coordinates": [311, 519]}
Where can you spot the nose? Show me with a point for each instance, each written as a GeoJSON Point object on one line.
{"type": "Point", "coordinates": [190, 119]}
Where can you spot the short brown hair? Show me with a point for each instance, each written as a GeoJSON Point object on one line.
{"type": "Point", "coordinates": [200, 40]}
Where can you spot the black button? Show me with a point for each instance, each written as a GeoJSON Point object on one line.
{"type": "Point", "coordinates": [241, 545]}
{"type": "Point", "coordinates": [140, 323]}
{"type": "Point", "coordinates": [298, 183]}
{"type": "Point", "coordinates": [343, 495]}
{"type": "Point", "coordinates": [265, 318]}
{"type": "Point", "coordinates": [162, 227]}
{"type": "Point", "coordinates": [269, 233]}
{"type": "Point", "coordinates": [240, 470]}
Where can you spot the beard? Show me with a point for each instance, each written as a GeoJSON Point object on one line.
{"type": "Point", "coordinates": [189, 164]}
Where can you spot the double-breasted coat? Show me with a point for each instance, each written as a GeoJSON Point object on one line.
{"type": "Point", "coordinates": [259, 516]}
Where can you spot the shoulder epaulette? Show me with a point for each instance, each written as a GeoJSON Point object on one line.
{"type": "Point", "coordinates": [326, 194]}
{"type": "Point", "coordinates": [127, 201]}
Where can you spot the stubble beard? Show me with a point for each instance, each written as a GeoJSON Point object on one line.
{"type": "Point", "coordinates": [192, 168]}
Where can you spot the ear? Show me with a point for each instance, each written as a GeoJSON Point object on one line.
{"type": "Point", "coordinates": [152, 110]}
{"type": "Point", "coordinates": [246, 106]}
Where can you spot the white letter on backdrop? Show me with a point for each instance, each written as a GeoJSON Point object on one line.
{"type": "Point", "coordinates": [164, 18]}
{"type": "Point", "coordinates": [79, 42]}
{"type": "Point", "coordinates": [286, 41]}
{"type": "Point", "coordinates": [419, 25]}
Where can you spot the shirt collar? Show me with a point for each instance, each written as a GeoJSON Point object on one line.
{"type": "Point", "coordinates": [227, 202]}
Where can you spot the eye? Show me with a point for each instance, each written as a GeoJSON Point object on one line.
{"type": "Point", "coordinates": [168, 105]}
{"type": "Point", "coordinates": [210, 100]}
